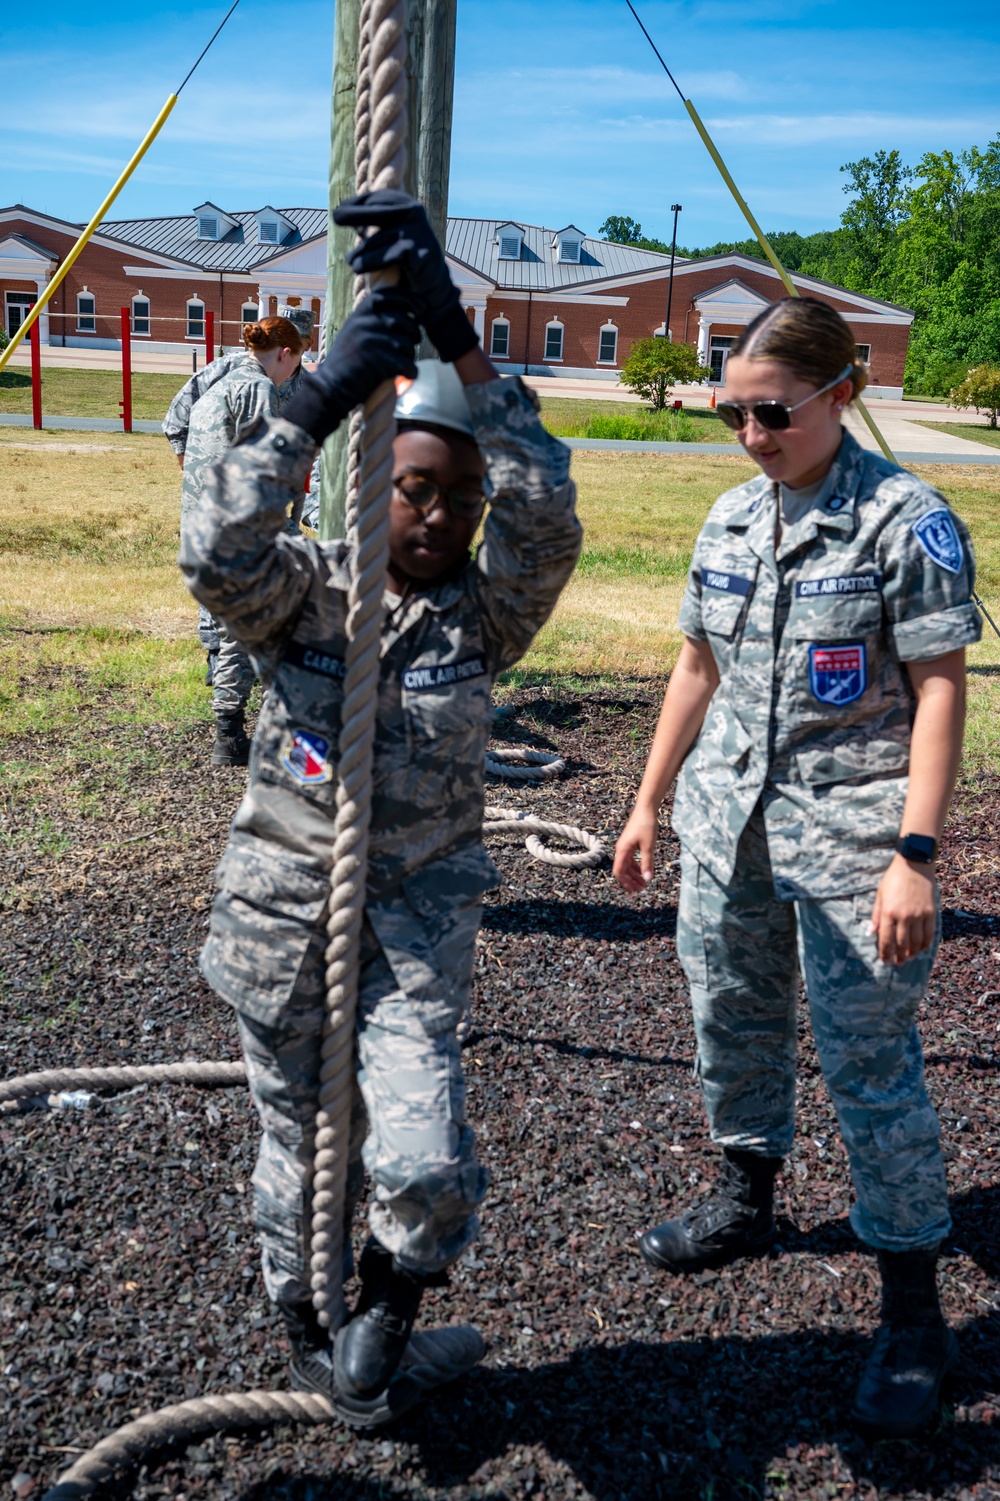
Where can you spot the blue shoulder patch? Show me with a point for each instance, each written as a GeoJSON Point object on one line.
{"type": "Point", "coordinates": [938, 536]}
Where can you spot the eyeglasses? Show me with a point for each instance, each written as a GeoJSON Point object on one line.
{"type": "Point", "coordinates": [773, 415]}
{"type": "Point", "coordinates": [464, 502]}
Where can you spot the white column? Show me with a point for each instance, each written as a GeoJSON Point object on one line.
{"type": "Point", "coordinates": [263, 295]}
{"type": "Point", "coordinates": [704, 325]}
{"type": "Point", "coordinates": [478, 306]}
{"type": "Point", "coordinates": [43, 318]}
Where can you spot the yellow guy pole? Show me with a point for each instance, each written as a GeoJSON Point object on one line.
{"type": "Point", "coordinates": [768, 250]}
{"type": "Point", "coordinates": [744, 208]}
{"type": "Point", "coordinates": [81, 243]}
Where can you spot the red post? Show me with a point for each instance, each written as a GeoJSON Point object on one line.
{"type": "Point", "coordinates": [126, 401]}
{"type": "Point", "coordinates": [209, 336]}
{"type": "Point", "coordinates": [36, 375]}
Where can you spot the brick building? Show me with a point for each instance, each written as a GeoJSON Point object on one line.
{"type": "Point", "coordinates": [544, 301]}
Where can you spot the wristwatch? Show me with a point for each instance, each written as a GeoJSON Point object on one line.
{"type": "Point", "coordinates": [919, 848]}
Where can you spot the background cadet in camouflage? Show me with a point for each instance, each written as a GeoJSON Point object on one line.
{"type": "Point", "coordinates": [827, 610]}
{"type": "Point", "coordinates": [452, 624]}
{"type": "Point", "coordinates": [178, 419]}
{"type": "Point", "coordinates": [229, 407]}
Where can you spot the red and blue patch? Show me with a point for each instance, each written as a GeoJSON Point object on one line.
{"type": "Point", "coordinates": [838, 674]}
{"type": "Point", "coordinates": [306, 757]}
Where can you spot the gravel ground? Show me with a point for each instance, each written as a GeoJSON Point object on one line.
{"type": "Point", "coordinates": [128, 1274]}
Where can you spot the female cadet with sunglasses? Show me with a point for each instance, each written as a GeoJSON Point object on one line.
{"type": "Point", "coordinates": [452, 622]}
{"type": "Point", "coordinates": [815, 718]}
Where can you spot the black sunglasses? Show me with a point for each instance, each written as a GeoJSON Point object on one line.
{"type": "Point", "coordinates": [774, 415]}
{"type": "Point", "coordinates": [424, 495]}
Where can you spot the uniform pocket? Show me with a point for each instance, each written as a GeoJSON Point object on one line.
{"type": "Point", "coordinates": [724, 596]}
{"type": "Point", "coordinates": [447, 699]}
{"type": "Point", "coordinates": [833, 619]}
{"type": "Point", "coordinates": [267, 910]}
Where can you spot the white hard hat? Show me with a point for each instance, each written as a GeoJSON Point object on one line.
{"type": "Point", "coordinates": [436, 398]}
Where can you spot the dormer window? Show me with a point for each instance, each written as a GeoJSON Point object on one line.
{"type": "Point", "coordinates": [273, 227]}
{"type": "Point", "coordinates": [212, 222]}
{"type": "Point", "coordinates": [510, 238]}
{"type": "Point", "coordinates": [568, 245]}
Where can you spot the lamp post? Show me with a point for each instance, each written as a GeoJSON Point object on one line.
{"type": "Point", "coordinates": [675, 209]}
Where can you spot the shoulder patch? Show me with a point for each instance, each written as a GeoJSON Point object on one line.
{"type": "Point", "coordinates": [938, 536]}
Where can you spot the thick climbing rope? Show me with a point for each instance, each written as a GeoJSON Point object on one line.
{"type": "Point", "coordinates": [384, 46]}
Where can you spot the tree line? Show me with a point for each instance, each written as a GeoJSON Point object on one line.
{"type": "Point", "coordinates": [925, 237]}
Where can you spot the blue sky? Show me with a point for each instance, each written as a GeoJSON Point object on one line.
{"type": "Point", "coordinates": [562, 113]}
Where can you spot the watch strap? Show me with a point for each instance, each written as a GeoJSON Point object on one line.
{"type": "Point", "coordinates": [920, 848]}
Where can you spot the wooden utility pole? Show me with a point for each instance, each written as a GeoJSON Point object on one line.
{"type": "Point", "coordinates": [430, 65]}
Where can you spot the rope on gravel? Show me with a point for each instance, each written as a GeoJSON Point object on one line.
{"type": "Point", "coordinates": [513, 821]}
{"type": "Point", "coordinates": [183, 1422]}
{"type": "Point", "coordinates": [52, 1081]}
{"type": "Point", "coordinates": [385, 51]}
{"type": "Point", "coordinates": [519, 764]}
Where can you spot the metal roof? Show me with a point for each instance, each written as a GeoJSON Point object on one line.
{"type": "Point", "coordinates": [237, 250]}
{"type": "Point", "coordinates": [474, 243]}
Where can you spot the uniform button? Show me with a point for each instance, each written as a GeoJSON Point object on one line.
{"type": "Point", "coordinates": [279, 441]}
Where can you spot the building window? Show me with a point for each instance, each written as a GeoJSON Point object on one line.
{"type": "Point", "coordinates": [607, 353]}
{"type": "Point", "coordinates": [195, 319]}
{"type": "Point", "coordinates": [248, 314]}
{"type": "Point", "coordinates": [864, 353]}
{"type": "Point", "coordinates": [554, 341]}
{"type": "Point", "coordinates": [268, 232]}
{"type": "Point", "coordinates": [140, 316]}
{"type": "Point", "coordinates": [718, 354]}
{"type": "Point", "coordinates": [86, 308]}
{"type": "Point", "coordinates": [569, 250]}
{"type": "Point", "coordinates": [500, 341]}
{"type": "Point", "coordinates": [18, 307]}
{"type": "Point", "coordinates": [208, 227]}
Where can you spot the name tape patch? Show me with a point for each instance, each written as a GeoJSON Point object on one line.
{"type": "Point", "coordinates": [838, 674]}
{"type": "Point", "coordinates": [728, 583]}
{"type": "Point", "coordinates": [938, 536]}
{"type": "Point", "coordinates": [306, 756]}
{"type": "Point", "coordinates": [441, 674]}
{"type": "Point", "coordinates": [314, 660]}
{"type": "Point", "coordinates": [843, 583]}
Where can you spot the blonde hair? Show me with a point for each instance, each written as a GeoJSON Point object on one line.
{"type": "Point", "coordinates": [273, 333]}
{"type": "Point", "coordinates": [808, 336]}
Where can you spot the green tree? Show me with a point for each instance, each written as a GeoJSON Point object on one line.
{"type": "Point", "coordinates": [621, 230]}
{"type": "Point", "coordinates": [872, 217]}
{"type": "Point", "coordinates": [980, 389]}
{"type": "Point", "coordinates": [654, 366]}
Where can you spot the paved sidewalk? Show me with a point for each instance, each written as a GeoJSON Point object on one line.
{"type": "Point", "coordinates": [960, 453]}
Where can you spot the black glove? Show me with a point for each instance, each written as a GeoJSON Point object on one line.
{"type": "Point", "coordinates": [375, 344]}
{"type": "Point", "coordinates": [404, 239]}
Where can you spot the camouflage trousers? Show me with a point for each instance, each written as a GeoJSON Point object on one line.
{"type": "Point", "coordinates": [408, 1126]}
{"type": "Point", "coordinates": [234, 674]}
{"type": "Point", "coordinates": [742, 950]}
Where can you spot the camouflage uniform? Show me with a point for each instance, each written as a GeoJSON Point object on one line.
{"type": "Point", "coordinates": [229, 407]}
{"type": "Point", "coordinates": [788, 808]}
{"type": "Point", "coordinates": [442, 648]}
{"type": "Point", "coordinates": [177, 423]}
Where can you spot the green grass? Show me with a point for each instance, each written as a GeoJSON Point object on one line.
{"type": "Point", "coordinates": [567, 417]}
{"type": "Point", "coordinates": [89, 393]}
{"type": "Point", "coordinates": [976, 432]}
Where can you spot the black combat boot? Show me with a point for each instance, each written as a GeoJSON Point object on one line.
{"type": "Point", "coordinates": [231, 748]}
{"type": "Point", "coordinates": [370, 1347]}
{"type": "Point", "coordinates": [914, 1349]}
{"type": "Point", "coordinates": [311, 1364]}
{"type": "Point", "coordinates": [211, 662]}
{"type": "Point", "coordinates": [737, 1219]}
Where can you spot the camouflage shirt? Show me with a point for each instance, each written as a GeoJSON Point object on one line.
{"type": "Point", "coordinates": [178, 419]}
{"type": "Point", "coordinates": [226, 410]}
{"type": "Point", "coordinates": [442, 648]}
{"type": "Point", "coordinates": [814, 709]}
